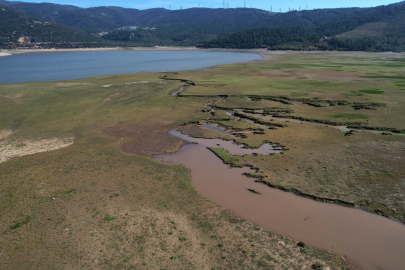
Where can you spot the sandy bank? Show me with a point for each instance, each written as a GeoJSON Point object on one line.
{"type": "Point", "coordinates": [4, 54]}
{"type": "Point", "coordinates": [14, 148]}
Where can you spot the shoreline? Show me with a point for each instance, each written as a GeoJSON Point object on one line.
{"type": "Point", "coordinates": [266, 54]}
{"type": "Point", "coordinates": [157, 48]}
{"type": "Point", "coordinates": [261, 52]}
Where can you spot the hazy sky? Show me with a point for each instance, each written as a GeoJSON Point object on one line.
{"type": "Point", "coordinates": [176, 4]}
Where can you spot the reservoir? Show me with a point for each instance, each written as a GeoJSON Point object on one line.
{"type": "Point", "coordinates": [61, 66]}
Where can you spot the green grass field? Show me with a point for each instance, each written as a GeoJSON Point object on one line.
{"type": "Point", "coordinates": [104, 202]}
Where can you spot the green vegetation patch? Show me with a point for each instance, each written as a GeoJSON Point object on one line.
{"type": "Point", "coordinates": [220, 115]}
{"type": "Point", "coordinates": [350, 116]}
{"type": "Point", "coordinates": [239, 125]}
{"type": "Point", "coordinates": [19, 224]}
{"type": "Point", "coordinates": [400, 84]}
{"type": "Point", "coordinates": [372, 91]}
{"type": "Point", "coordinates": [384, 77]}
{"type": "Point", "coordinates": [108, 218]}
{"type": "Point", "coordinates": [397, 59]}
{"type": "Point", "coordinates": [227, 158]}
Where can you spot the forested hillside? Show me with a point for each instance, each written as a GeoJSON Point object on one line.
{"type": "Point", "coordinates": [19, 30]}
{"type": "Point", "coordinates": [101, 19]}
{"type": "Point", "coordinates": [381, 28]}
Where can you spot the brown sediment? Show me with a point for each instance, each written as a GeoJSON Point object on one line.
{"type": "Point", "coordinates": [154, 138]}
{"type": "Point", "coordinates": [368, 241]}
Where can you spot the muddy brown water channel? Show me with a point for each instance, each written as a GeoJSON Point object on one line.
{"type": "Point", "coordinates": [366, 240]}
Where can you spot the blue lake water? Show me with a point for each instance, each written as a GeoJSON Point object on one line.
{"type": "Point", "coordinates": [58, 66]}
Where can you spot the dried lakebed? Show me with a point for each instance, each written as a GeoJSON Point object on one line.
{"type": "Point", "coordinates": [366, 240]}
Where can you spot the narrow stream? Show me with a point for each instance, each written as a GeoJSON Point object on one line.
{"type": "Point", "coordinates": [233, 148]}
{"type": "Point", "coordinates": [340, 128]}
{"type": "Point", "coordinates": [366, 240]}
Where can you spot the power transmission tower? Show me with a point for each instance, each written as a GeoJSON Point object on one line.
{"type": "Point", "coordinates": [289, 9]}
{"type": "Point", "coordinates": [271, 8]}
{"type": "Point", "coordinates": [244, 4]}
{"type": "Point", "coordinates": [227, 4]}
{"type": "Point", "coordinates": [280, 10]}
{"type": "Point", "coordinates": [306, 7]}
{"type": "Point", "coordinates": [300, 8]}
{"type": "Point", "coordinates": [170, 7]}
{"type": "Point", "coordinates": [223, 4]}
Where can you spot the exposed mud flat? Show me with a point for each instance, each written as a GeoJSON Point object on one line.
{"type": "Point", "coordinates": [14, 148]}
{"type": "Point", "coordinates": [154, 138]}
{"type": "Point", "coordinates": [366, 240]}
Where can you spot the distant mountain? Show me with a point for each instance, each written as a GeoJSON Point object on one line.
{"type": "Point", "coordinates": [380, 28]}
{"type": "Point", "coordinates": [106, 19]}
{"type": "Point", "coordinates": [20, 30]}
